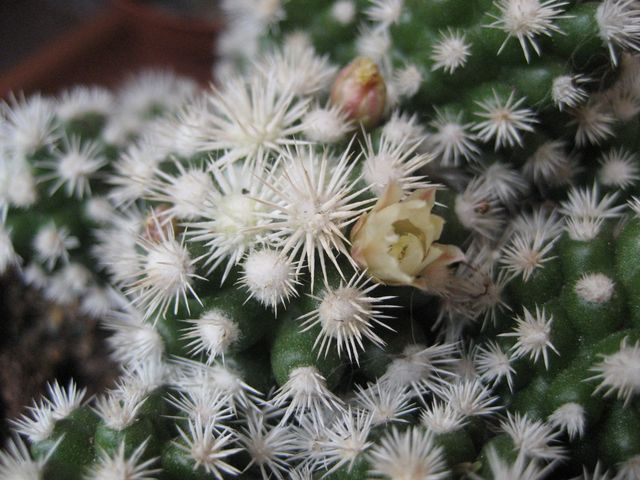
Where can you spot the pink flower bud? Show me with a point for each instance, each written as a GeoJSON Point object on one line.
{"type": "Point", "coordinates": [359, 90]}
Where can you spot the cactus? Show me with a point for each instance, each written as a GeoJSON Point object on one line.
{"type": "Point", "coordinates": [398, 239]}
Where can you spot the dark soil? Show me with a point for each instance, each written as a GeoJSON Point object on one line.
{"type": "Point", "coordinates": [40, 342]}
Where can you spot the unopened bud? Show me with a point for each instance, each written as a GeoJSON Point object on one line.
{"type": "Point", "coordinates": [159, 225]}
{"type": "Point", "coordinates": [359, 90]}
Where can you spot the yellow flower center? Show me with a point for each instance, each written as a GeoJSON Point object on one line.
{"type": "Point", "coordinates": [409, 234]}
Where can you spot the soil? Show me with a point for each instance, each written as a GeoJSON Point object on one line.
{"type": "Point", "coordinates": [41, 342]}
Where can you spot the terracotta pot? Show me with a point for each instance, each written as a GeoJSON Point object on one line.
{"type": "Point", "coordinates": [94, 52]}
{"type": "Point", "coordinates": [162, 38]}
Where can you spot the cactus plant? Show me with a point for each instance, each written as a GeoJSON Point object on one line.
{"type": "Point", "coordinates": [396, 240]}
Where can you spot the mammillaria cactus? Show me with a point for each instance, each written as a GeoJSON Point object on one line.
{"type": "Point", "coordinates": [420, 265]}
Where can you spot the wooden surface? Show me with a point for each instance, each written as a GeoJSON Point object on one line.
{"type": "Point", "coordinates": [116, 42]}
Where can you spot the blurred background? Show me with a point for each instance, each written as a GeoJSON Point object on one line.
{"type": "Point", "coordinates": [26, 25]}
{"type": "Point", "coordinates": [47, 46]}
{"type": "Point", "coordinates": [51, 44]}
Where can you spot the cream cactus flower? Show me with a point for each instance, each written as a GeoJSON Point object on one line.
{"type": "Point", "coordinates": [395, 241]}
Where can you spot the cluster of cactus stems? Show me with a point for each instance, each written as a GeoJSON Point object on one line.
{"type": "Point", "coordinates": [398, 239]}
